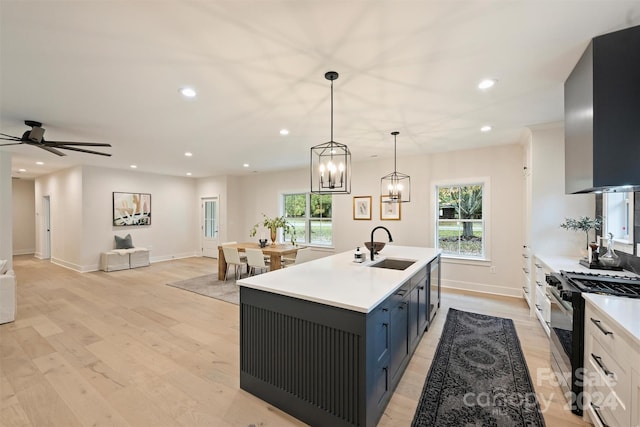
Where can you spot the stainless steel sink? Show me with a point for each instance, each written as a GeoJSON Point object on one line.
{"type": "Point", "coordinates": [393, 263]}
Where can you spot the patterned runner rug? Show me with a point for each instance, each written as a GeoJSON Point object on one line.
{"type": "Point", "coordinates": [478, 377]}
{"type": "Point", "coordinates": [210, 286]}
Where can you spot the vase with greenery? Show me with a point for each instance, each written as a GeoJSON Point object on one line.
{"type": "Point", "coordinates": [272, 224]}
{"type": "Point", "coordinates": [583, 223]}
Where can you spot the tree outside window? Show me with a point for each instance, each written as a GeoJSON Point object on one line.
{"type": "Point", "coordinates": [310, 214]}
{"type": "Point", "coordinates": [460, 224]}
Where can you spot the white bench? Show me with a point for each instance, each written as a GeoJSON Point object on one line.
{"type": "Point", "coordinates": [123, 259]}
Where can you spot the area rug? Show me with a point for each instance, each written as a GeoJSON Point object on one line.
{"type": "Point", "coordinates": [210, 286]}
{"type": "Point", "coordinates": [478, 376]}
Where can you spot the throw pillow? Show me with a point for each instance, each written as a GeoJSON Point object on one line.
{"type": "Point", "coordinates": [4, 266]}
{"type": "Point", "coordinates": [124, 242]}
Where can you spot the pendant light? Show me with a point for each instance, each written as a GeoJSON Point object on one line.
{"type": "Point", "coordinates": [331, 161]}
{"type": "Point", "coordinates": [395, 187]}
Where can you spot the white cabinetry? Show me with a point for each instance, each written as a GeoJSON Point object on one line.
{"type": "Point", "coordinates": [635, 395]}
{"type": "Point", "coordinates": [527, 289]}
{"type": "Point", "coordinates": [542, 303]}
{"type": "Point", "coordinates": [611, 359]}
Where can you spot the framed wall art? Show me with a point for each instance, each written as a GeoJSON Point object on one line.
{"type": "Point", "coordinates": [131, 209]}
{"type": "Point", "coordinates": [362, 207]}
{"type": "Point", "coordinates": [389, 211]}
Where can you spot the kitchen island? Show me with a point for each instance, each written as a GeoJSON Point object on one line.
{"type": "Point", "coordinates": [328, 340]}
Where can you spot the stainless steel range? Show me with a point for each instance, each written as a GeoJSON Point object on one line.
{"type": "Point", "coordinates": [567, 323]}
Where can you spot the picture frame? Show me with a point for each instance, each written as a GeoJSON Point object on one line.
{"type": "Point", "coordinates": [131, 209]}
{"type": "Point", "coordinates": [389, 211]}
{"type": "Point", "coordinates": [362, 207]}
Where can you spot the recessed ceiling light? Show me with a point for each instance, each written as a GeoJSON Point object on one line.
{"type": "Point", "coordinates": [188, 154]}
{"type": "Point", "coordinates": [246, 165]}
{"type": "Point", "coordinates": [188, 173]}
{"type": "Point", "coordinates": [486, 84]}
{"type": "Point", "coordinates": [40, 163]}
{"type": "Point", "coordinates": [188, 92]}
{"type": "Point", "coordinates": [284, 131]}
{"type": "Point", "coordinates": [22, 170]}
{"type": "Point", "coordinates": [133, 166]}
{"type": "Point", "coordinates": [485, 128]}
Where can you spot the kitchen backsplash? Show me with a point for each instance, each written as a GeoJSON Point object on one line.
{"type": "Point", "coordinates": [629, 262]}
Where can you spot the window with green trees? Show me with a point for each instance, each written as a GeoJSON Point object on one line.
{"type": "Point", "coordinates": [460, 228]}
{"type": "Point", "coordinates": [310, 214]}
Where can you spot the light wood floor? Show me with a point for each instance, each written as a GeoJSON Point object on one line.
{"type": "Point", "coordinates": [121, 348]}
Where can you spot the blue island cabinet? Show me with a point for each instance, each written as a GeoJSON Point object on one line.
{"type": "Point", "coordinates": [326, 365]}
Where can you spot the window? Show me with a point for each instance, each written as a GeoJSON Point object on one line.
{"type": "Point", "coordinates": [460, 227]}
{"type": "Point", "coordinates": [310, 214]}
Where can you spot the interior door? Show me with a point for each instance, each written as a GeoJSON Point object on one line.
{"type": "Point", "coordinates": [46, 228]}
{"type": "Point", "coordinates": [209, 227]}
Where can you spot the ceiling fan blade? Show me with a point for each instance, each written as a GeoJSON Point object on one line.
{"type": "Point", "coordinates": [2, 144]}
{"type": "Point", "coordinates": [64, 147]}
{"type": "Point", "coordinates": [86, 144]}
{"type": "Point", "coordinates": [49, 149]}
{"type": "Point", "coordinates": [10, 137]}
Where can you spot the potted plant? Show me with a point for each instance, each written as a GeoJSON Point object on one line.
{"type": "Point", "coordinates": [272, 224]}
{"type": "Point", "coordinates": [582, 224]}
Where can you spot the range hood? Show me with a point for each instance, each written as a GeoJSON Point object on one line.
{"type": "Point", "coordinates": [602, 116]}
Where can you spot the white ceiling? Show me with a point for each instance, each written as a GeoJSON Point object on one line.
{"type": "Point", "coordinates": [109, 71]}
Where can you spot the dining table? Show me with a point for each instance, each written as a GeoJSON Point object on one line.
{"type": "Point", "coordinates": [275, 253]}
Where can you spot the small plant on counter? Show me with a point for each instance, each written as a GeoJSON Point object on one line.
{"type": "Point", "coordinates": [272, 224]}
{"type": "Point", "coordinates": [583, 223]}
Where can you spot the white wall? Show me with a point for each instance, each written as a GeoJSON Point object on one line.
{"type": "Point", "coordinates": [24, 216]}
{"type": "Point", "coordinates": [65, 191]}
{"type": "Point", "coordinates": [81, 205]}
{"type": "Point", "coordinates": [6, 211]}
{"type": "Point", "coordinates": [502, 165]}
{"type": "Point", "coordinates": [81, 214]}
{"type": "Point", "coordinates": [549, 202]}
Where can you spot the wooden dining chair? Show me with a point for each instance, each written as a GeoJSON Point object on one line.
{"type": "Point", "coordinates": [232, 257]}
{"type": "Point", "coordinates": [255, 260]}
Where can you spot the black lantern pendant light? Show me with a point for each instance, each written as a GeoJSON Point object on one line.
{"type": "Point", "coordinates": [331, 161]}
{"type": "Point", "coordinates": [395, 187]}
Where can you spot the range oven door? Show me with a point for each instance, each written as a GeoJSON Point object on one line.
{"type": "Point", "coordinates": [566, 345]}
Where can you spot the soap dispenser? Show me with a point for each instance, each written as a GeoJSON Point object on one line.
{"type": "Point", "coordinates": [358, 256]}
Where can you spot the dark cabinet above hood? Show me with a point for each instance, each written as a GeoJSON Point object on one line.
{"type": "Point", "coordinates": [602, 116]}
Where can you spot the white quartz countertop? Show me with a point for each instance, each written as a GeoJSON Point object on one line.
{"type": "Point", "coordinates": [566, 263]}
{"type": "Point", "coordinates": [340, 282]}
{"type": "Point", "coordinates": [623, 311]}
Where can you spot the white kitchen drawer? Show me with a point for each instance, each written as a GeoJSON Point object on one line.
{"type": "Point", "coordinates": [526, 263]}
{"type": "Point", "coordinates": [609, 335]}
{"type": "Point", "coordinates": [607, 409]}
{"type": "Point", "coordinates": [635, 397]}
{"type": "Point", "coordinates": [541, 273]}
{"type": "Point", "coordinates": [526, 290]}
{"type": "Point", "coordinates": [543, 309]}
{"type": "Point", "coordinates": [606, 371]}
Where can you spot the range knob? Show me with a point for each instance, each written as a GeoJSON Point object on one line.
{"type": "Point", "coordinates": [565, 295]}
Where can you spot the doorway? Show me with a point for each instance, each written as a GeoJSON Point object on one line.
{"type": "Point", "coordinates": [45, 228]}
{"type": "Point", "coordinates": [209, 227]}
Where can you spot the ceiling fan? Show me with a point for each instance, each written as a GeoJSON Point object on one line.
{"type": "Point", "coordinates": [35, 137]}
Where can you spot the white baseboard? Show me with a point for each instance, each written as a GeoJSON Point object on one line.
{"type": "Point", "coordinates": [24, 251]}
{"type": "Point", "coordinates": [69, 265]}
{"type": "Point", "coordinates": [96, 267]}
{"type": "Point", "coordinates": [175, 256]}
{"type": "Point", "coordinates": [484, 288]}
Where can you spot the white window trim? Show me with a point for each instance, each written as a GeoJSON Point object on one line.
{"type": "Point", "coordinates": [486, 215]}
{"type": "Point", "coordinates": [307, 219]}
